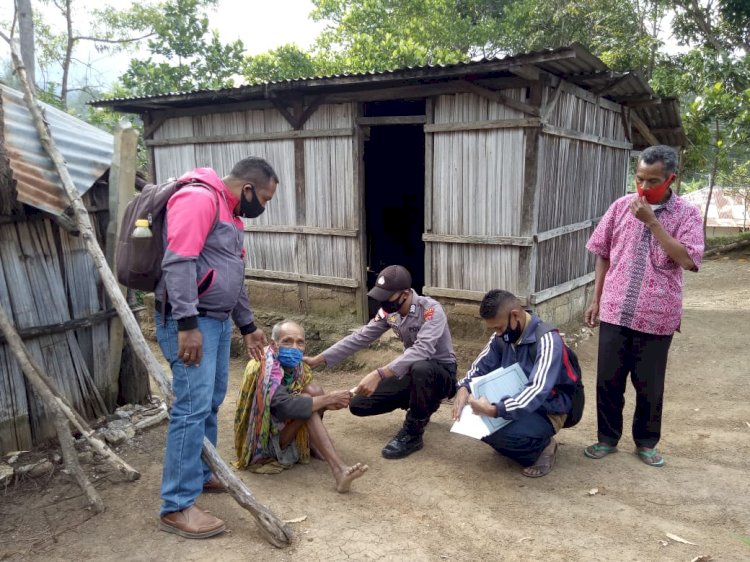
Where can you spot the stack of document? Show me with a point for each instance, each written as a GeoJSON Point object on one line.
{"type": "Point", "coordinates": [503, 382]}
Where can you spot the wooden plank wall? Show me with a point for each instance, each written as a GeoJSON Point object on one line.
{"type": "Point", "coordinates": [274, 240]}
{"type": "Point", "coordinates": [579, 180]}
{"type": "Point", "coordinates": [477, 178]}
{"type": "Point", "coordinates": [330, 194]}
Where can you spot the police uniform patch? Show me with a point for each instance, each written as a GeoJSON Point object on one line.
{"type": "Point", "coordinates": [392, 319]}
{"type": "Point", "coordinates": [380, 315]}
{"type": "Point", "coordinates": [428, 313]}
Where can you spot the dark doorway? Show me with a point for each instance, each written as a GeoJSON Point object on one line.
{"type": "Point", "coordinates": [394, 201]}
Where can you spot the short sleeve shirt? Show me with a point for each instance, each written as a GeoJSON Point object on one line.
{"type": "Point", "coordinates": [643, 287]}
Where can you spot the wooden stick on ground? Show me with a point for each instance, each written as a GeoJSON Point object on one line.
{"type": "Point", "coordinates": [69, 454]}
{"type": "Point", "coordinates": [82, 425]}
{"type": "Point", "coordinates": [271, 526]}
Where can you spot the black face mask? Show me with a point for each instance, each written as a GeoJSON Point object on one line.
{"type": "Point", "coordinates": [511, 335]}
{"type": "Point", "coordinates": [250, 209]}
{"type": "Point", "coordinates": [391, 306]}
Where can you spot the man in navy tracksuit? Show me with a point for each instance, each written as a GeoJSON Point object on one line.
{"type": "Point", "coordinates": [540, 409]}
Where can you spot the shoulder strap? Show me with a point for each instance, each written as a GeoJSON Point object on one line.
{"type": "Point", "coordinates": [215, 194]}
{"type": "Point", "coordinates": [541, 329]}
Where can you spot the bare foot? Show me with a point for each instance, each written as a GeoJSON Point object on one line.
{"type": "Point", "coordinates": [348, 475]}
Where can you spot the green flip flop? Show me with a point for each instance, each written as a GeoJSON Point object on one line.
{"type": "Point", "coordinates": [650, 456]}
{"type": "Point", "coordinates": [599, 450]}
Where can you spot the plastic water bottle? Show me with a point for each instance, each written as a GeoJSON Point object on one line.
{"type": "Point", "coordinates": [142, 229]}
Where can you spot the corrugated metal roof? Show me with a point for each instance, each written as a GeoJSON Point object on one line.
{"type": "Point", "coordinates": [730, 207]}
{"type": "Point", "coordinates": [86, 149]}
{"type": "Point", "coordinates": [573, 63]}
{"type": "Point", "coordinates": [574, 59]}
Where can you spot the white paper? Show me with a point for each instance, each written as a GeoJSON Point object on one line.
{"type": "Point", "coordinates": [470, 424]}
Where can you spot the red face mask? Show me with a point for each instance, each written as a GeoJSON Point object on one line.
{"type": "Point", "coordinates": [655, 194]}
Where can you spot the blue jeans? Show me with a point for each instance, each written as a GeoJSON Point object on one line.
{"type": "Point", "coordinates": [199, 390]}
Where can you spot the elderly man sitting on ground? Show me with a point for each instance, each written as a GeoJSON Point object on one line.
{"type": "Point", "coordinates": [279, 412]}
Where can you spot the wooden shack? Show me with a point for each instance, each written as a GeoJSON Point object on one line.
{"type": "Point", "coordinates": [49, 286]}
{"type": "Point", "coordinates": [488, 174]}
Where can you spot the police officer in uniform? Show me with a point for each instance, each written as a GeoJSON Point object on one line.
{"type": "Point", "coordinates": [419, 378]}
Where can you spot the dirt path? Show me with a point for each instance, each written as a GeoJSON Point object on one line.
{"type": "Point", "coordinates": [456, 499]}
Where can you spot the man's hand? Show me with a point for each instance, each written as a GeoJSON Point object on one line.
{"type": "Point", "coordinates": [337, 400]}
{"type": "Point", "coordinates": [190, 346]}
{"type": "Point", "coordinates": [642, 210]}
{"type": "Point", "coordinates": [368, 384]}
{"type": "Point", "coordinates": [316, 361]}
{"type": "Point", "coordinates": [254, 344]}
{"type": "Point", "coordinates": [592, 314]}
{"type": "Point", "coordinates": [482, 407]}
{"type": "Point", "coordinates": [459, 401]}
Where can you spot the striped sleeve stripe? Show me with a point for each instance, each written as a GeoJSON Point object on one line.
{"type": "Point", "coordinates": [475, 364]}
{"type": "Point", "coordinates": [545, 361]}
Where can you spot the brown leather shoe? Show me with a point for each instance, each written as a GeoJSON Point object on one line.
{"type": "Point", "coordinates": [214, 486]}
{"type": "Point", "coordinates": [192, 523]}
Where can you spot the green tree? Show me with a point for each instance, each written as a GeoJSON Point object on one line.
{"type": "Point", "coordinates": [288, 62]}
{"type": "Point", "coordinates": [183, 54]}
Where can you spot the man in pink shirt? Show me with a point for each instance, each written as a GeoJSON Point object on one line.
{"type": "Point", "coordinates": [642, 244]}
{"type": "Point", "coordinates": [201, 292]}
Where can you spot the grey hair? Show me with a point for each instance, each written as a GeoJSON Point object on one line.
{"type": "Point", "coordinates": [276, 330]}
{"type": "Point", "coordinates": [660, 153]}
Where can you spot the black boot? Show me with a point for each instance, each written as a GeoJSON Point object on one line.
{"type": "Point", "coordinates": [407, 440]}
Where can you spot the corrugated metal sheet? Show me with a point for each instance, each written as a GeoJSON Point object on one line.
{"type": "Point", "coordinates": [573, 63]}
{"type": "Point", "coordinates": [86, 149]}
{"type": "Point", "coordinates": [730, 207]}
{"type": "Point", "coordinates": [664, 121]}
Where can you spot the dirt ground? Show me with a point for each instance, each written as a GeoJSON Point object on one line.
{"type": "Point", "coordinates": [456, 499]}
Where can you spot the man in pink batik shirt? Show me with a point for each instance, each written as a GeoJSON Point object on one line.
{"type": "Point", "coordinates": [642, 244]}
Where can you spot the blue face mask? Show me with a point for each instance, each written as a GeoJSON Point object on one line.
{"type": "Point", "coordinates": [289, 357]}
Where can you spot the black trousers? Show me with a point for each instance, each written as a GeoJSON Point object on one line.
{"type": "Point", "coordinates": [624, 352]}
{"type": "Point", "coordinates": [419, 391]}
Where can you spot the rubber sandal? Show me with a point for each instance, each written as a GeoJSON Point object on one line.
{"type": "Point", "coordinates": [545, 466]}
{"type": "Point", "coordinates": [599, 450]}
{"type": "Point", "coordinates": [650, 457]}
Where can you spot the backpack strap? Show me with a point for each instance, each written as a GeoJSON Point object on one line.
{"type": "Point", "coordinates": [544, 328]}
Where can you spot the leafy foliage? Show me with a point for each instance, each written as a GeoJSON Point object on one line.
{"type": "Point", "coordinates": [184, 55]}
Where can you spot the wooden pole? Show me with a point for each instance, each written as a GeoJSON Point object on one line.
{"type": "Point", "coordinates": [121, 182]}
{"type": "Point", "coordinates": [81, 425]}
{"type": "Point", "coordinates": [70, 457]}
{"type": "Point", "coordinates": [270, 525]}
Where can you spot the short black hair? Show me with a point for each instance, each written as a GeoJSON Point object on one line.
{"type": "Point", "coordinates": [660, 153]}
{"type": "Point", "coordinates": [495, 300]}
{"type": "Point", "coordinates": [255, 170]}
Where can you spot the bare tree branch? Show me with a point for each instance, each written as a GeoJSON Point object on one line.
{"type": "Point", "coordinates": [122, 40]}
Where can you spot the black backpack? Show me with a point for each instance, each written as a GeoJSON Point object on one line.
{"type": "Point", "coordinates": [138, 260]}
{"type": "Point", "coordinates": [574, 387]}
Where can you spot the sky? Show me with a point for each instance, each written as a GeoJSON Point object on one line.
{"type": "Point", "coordinates": [260, 24]}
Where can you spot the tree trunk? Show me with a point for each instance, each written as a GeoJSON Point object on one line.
{"type": "Point", "coordinates": [711, 183]}
{"type": "Point", "coordinates": [272, 527]}
{"type": "Point", "coordinates": [69, 454]}
{"type": "Point", "coordinates": [26, 35]}
{"type": "Point", "coordinates": [70, 43]}
{"type": "Point", "coordinates": [680, 169]}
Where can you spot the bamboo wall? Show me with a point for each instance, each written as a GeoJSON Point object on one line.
{"type": "Point", "coordinates": [578, 181]}
{"type": "Point", "coordinates": [47, 279]}
{"type": "Point", "coordinates": [477, 185]}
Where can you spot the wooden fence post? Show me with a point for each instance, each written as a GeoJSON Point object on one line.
{"type": "Point", "coordinates": [121, 183]}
